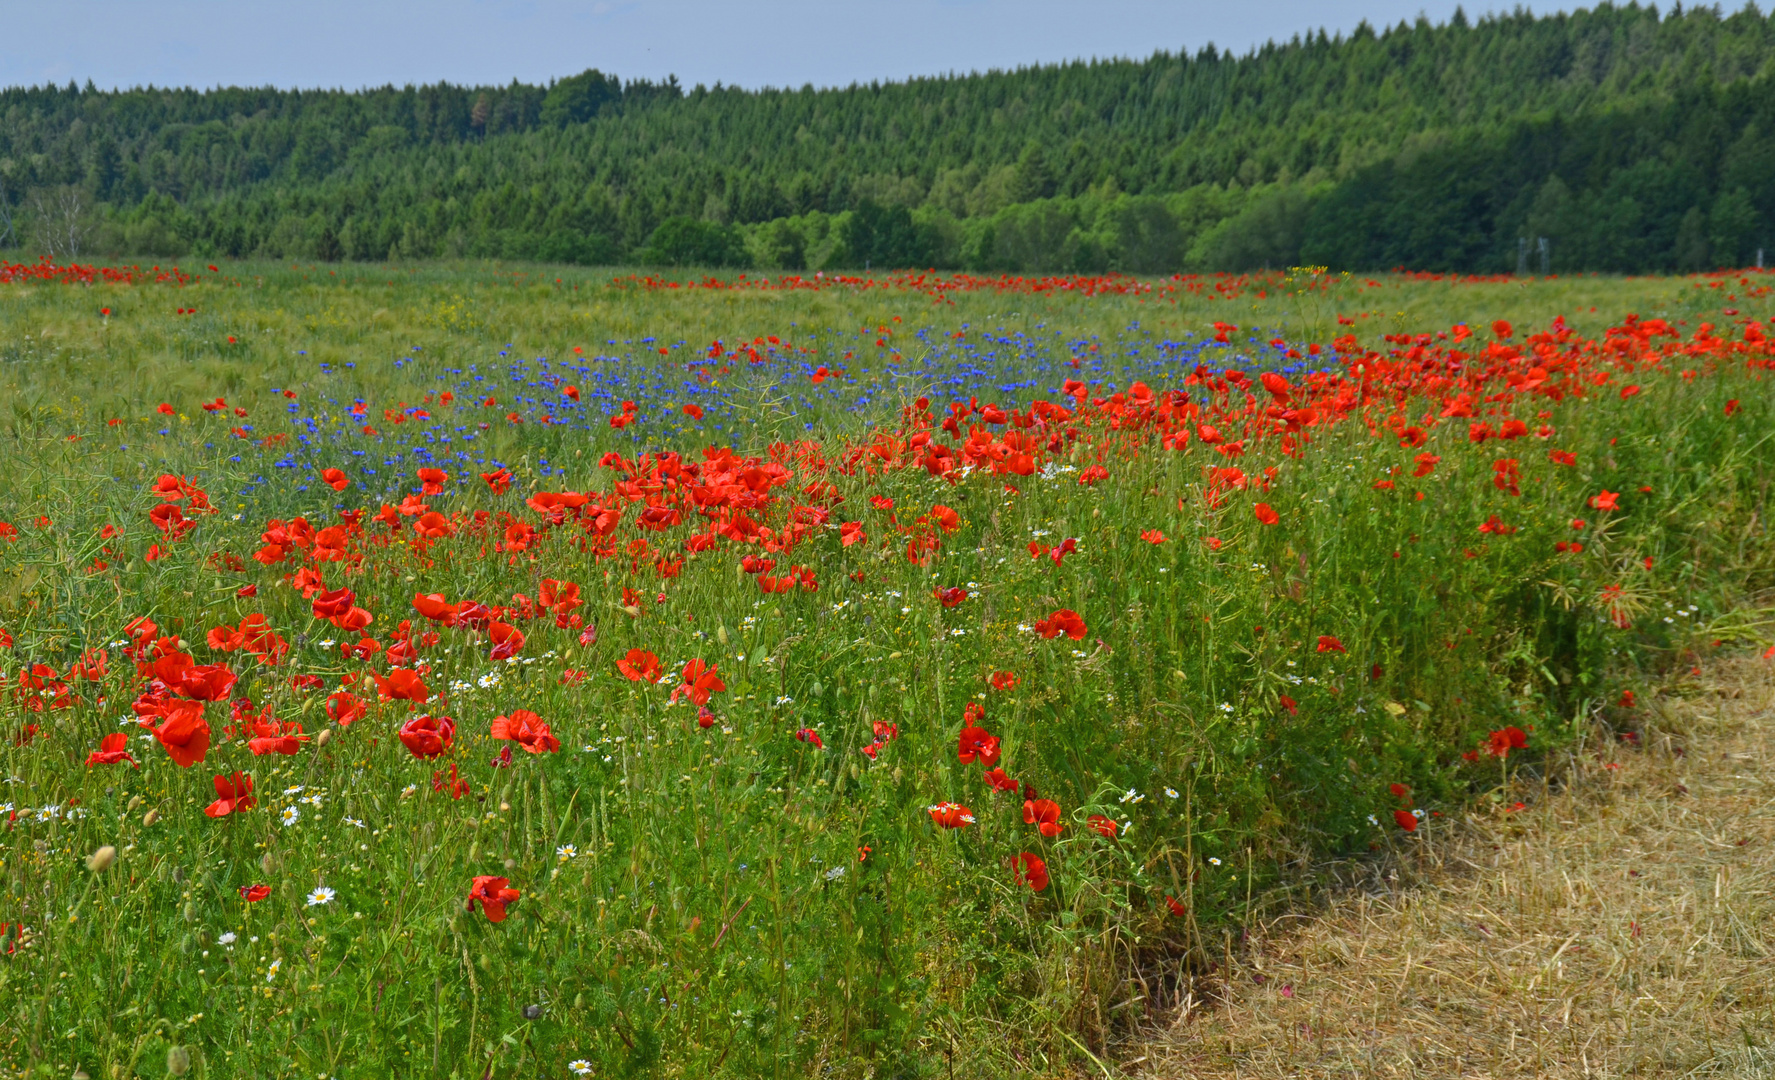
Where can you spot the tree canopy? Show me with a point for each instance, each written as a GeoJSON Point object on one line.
{"type": "Point", "coordinates": [1632, 140]}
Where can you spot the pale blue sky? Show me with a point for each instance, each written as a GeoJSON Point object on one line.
{"type": "Point", "coordinates": [355, 43]}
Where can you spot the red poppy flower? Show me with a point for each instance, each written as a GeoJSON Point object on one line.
{"type": "Point", "coordinates": [977, 743]}
{"type": "Point", "coordinates": [851, 532]}
{"type": "Point", "coordinates": [335, 479]}
{"type": "Point", "coordinates": [951, 815]}
{"type": "Point", "coordinates": [206, 682]}
{"type": "Point", "coordinates": [704, 718]}
{"type": "Point", "coordinates": [1153, 536]}
{"type": "Point", "coordinates": [1290, 704]}
{"type": "Point", "coordinates": [428, 736]}
{"type": "Point", "coordinates": [1176, 906]}
{"type": "Point", "coordinates": [354, 619]}
{"type": "Point", "coordinates": [498, 482]}
{"type": "Point", "coordinates": [334, 603]}
{"type": "Point", "coordinates": [343, 707]}
{"type": "Point", "coordinates": [493, 894]}
{"type": "Point", "coordinates": [170, 520]}
{"type": "Point", "coordinates": [1044, 814]}
{"type": "Point", "coordinates": [1500, 743]}
{"type": "Point", "coordinates": [1103, 825]}
{"type": "Point", "coordinates": [998, 781]}
{"type": "Point", "coordinates": [113, 748]}
{"type": "Point", "coordinates": [1031, 871]}
{"type": "Point", "coordinates": [455, 787]}
{"type": "Point", "coordinates": [232, 793]}
{"type": "Point", "coordinates": [1399, 791]}
{"type": "Point", "coordinates": [273, 738]}
{"type": "Point", "coordinates": [433, 607]}
{"type": "Point", "coordinates": [433, 481]}
{"type": "Point", "coordinates": [1265, 514]}
{"type": "Point", "coordinates": [809, 735]}
{"type": "Point", "coordinates": [1327, 643]}
{"type": "Point", "coordinates": [184, 732]}
{"type": "Point", "coordinates": [640, 666]}
{"type": "Point", "coordinates": [694, 411]}
{"type": "Point", "coordinates": [1605, 501]}
{"type": "Point", "coordinates": [1406, 819]}
{"type": "Point", "coordinates": [402, 684]}
{"type": "Point", "coordinates": [1063, 621]}
{"type": "Point", "coordinates": [947, 520]}
{"type": "Point", "coordinates": [1003, 680]}
{"type": "Point", "coordinates": [1213, 542]}
{"type": "Point", "coordinates": [507, 640]}
{"type": "Point", "coordinates": [433, 526]}
{"type": "Point", "coordinates": [527, 730]}
{"type": "Point", "coordinates": [951, 596]}
{"type": "Point", "coordinates": [252, 894]}
{"type": "Point", "coordinates": [700, 680]}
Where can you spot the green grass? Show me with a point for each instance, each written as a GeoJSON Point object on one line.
{"type": "Point", "coordinates": [713, 917]}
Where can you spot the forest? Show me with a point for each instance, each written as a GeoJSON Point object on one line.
{"type": "Point", "coordinates": [1616, 139]}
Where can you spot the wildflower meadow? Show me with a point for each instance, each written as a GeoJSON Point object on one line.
{"type": "Point", "coordinates": [483, 671]}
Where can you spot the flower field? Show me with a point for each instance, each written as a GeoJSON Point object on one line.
{"type": "Point", "coordinates": [476, 672]}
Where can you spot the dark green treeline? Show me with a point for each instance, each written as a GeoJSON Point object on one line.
{"type": "Point", "coordinates": [1631, 140]}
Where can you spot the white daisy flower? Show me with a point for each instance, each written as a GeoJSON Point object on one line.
{"type": "Point", "coordinates": [291, 815]}
{"type": "Point", "coordinates": [322, 895]}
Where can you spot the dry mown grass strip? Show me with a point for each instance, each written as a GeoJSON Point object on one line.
{"type": "Point", "coordinates": [1623, 926]}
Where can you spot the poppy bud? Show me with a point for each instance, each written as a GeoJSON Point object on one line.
{"type": "Point", "coordinates": [135, 801]}
{"type": "Point", "coordinates": [178, 1061]}
{"type": "Point", "coordinates": [721, 633]}
{"type": "Point", "coordinates": [324, 737]}
{"type": "Point", "coordinates": [267, 863]}
{"type": "Point", "coordinates": [100, 861]}
{"type": "Point", "coordinates": [150, 818]}
{"type": "Point", "coordinates": [532, 1012]}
